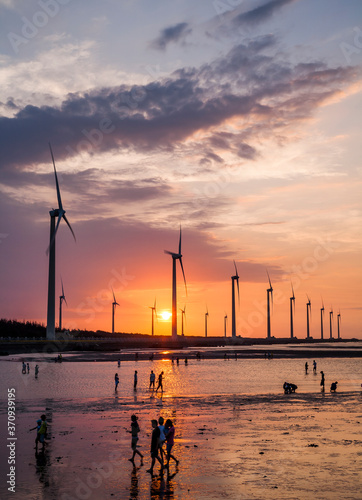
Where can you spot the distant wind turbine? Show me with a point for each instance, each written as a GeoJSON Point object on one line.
{"type": "Point", "coordinates": [338, 323]}
{"type": "Point", "coordinates": [322, 314]}
{"type": "Point", "coordinates": [330, 323]}
{"type": "Point", "coordinates": [233, 306]}
{"type": "Point", "coordinates": [183, 318]}
{"type": "Point", "coordinates": [206, 316]}
{"type": "Point", "coordinates": [61, 298]}
{"type": "Point", "coordinates": [153, 317]}
{"type": "Point", "coordinates": [114, 305]}
{"type": "Point", "coordinates": [175, 257]}
{"type": "Point", "coordinates": [309, 312]}
{"type": "Point", "coordinates": [269, 296]}
{"type": "Point", "coordinates": [60, 213]}
{"type": "Point", "coordinates": [292, 311]}
{"type": "Point", "coordinates": [225, 323]}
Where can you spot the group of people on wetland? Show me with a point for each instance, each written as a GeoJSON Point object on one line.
{"type": "Point", "coordinates": [25, 369]}
{"type": "Point", "coordinates": [135, 381]}
{"type": "Point", "coordinates": [162, 432]}
{"type": "Point", "coordinates": [289, 388]}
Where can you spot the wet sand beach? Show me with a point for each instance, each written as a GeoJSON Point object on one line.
{"type": "Point", "coordinates": [256, 444]}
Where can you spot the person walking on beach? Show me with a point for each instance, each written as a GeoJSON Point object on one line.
{"type": "Point", "coordinates": [154, 446]}
{"type": "Point", "coordinates": [162, 437]}
{"type": "Point", "coordinates": [119, 363]}
{"type": "Point", "coordinates": [160, 382]}
{"type": "Point", "coordinates": [152, 380]}
{"type": "Point", "coordinates": [23, 368]}
{"type": "Point", "coordinates": [36, 371]}
{"type": "Point", "coordinates": [306, 367]}
{"type": "Point", "coordinates": [135, 380]}
{"type": "Point", "coordinates": [170, 436]}
{"type": "Point", "coordinates": [322, 381]}
{"type": "Point", "coordinates": [135, 429]}
{"type": "Point", "coordinates": [116, 381]}
{"type": "Point", "coordinates": [41, 433]}
{"type": "Point", "coordinates": [28, 367]}
{"type": "Point", "coordinates": [314, 366]}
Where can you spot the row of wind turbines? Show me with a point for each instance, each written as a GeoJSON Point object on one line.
{"type": "Point", "coordinates": [59, 213]}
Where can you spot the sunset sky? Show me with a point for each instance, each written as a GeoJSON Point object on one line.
{"type": "Point", "coordinates": [238, 120]}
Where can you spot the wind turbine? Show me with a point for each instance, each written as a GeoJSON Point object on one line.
{"type": "Point", "coordinates": [114, 305]}
{"type": "Point", "coordinates": [183, 317]}
{"type": "Point", "coordinates": [309, 312]}
{"type": "Point", "coordinates": [269, 296]}
{"type": "Point", "coordinates": [233, 315]}
{"type": "Point", "coordinates": [206, 316]}
{"type": "Point", "coordinates": [225, 322]}
{"type": "Point", "coordinates": [322, 314]}
{"type": "Point", "coordinates": [330, 323]}
{"type": "Point", "coordinates": [60, 213]}
{"type": "Point", "coordinates": [292, 310]}
{"type": "Point", "coordinates": [153, 317]}
{"type": "Point", "coordinates": [175, 257]}
{"type": "Point", "coordinates": [61, 298]}
{"type": "Point", "coordinates": [338, 323]}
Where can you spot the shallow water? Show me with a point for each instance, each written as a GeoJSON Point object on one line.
{"type": "Point", "coordinates": [237, 435]}
{"type": "Point", "coordinates": [205, 377]}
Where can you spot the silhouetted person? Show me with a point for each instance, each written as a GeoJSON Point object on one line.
{"type": "Point", "coordinates": [116, 381]}
{"type": "Point", "coordinates": [152, 379]}
{"type": "Point", "coordinates": [135, 380]}
{"type": "Point", "coordinates": [334, 386]}
{"type": "Point", "coordinates": [314, 366]}
{"type": "Point", "coordinates": [135, 429]}
{"type": "Point", "coordinates": [289, 388]}
{"type": "Point", "coordinates": [160, 382]}
{"type": "Point", "coordinates": [322, 381]}
{"type": "Point", "coordinates": [154, 446]}
{"type": "Point", "coordinates": [306, 367]}
{"type": "Point", "coordinates": [36, 371]}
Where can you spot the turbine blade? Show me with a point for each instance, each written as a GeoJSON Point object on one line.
{"type": "Point", "coordinates": [114, 297]}
{"type": "Point", "coordinates": [70, 227]}
{"type": "Point", "coordinates": [60, 206]}
{"type": "Point", "coordinates": [236, 270]}
{"type": "Point", "coordinates": [183, 272]}
{"type": "Point", "coordinates": [179, 243]}
{"type": "Point", "coordinates": [269, 279]}
{"type": "Point", "coordinates": [61, 280]}
{"type": "Point", "coordinates": [293, 291]}
{"type": "Point", "coordinates": [169, 253]}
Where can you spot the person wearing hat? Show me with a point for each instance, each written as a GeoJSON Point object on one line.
{"type": "Point", "coordinates": [135, 429]}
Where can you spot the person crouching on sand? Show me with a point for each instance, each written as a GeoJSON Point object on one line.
{"type": "Point", "coordinates": [135, 429]}
{"type": "Point", "coordinates": [154, 446]}
{"type": "Point", "coordinates": [170, 436]}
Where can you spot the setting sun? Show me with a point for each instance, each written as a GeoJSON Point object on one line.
{"type": "Point", "coordinates": [166, 315]}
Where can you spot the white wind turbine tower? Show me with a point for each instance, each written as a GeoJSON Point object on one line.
{"type": "Point", "coordinates": [233, 307]}
{"type": "Point", "coordinates": [153, 317]}
{"type": "Point", "coordinates": [60, 213]}
{"type": "Point", "coordinates": [114, 305]}
{"type": "Point", "coordinates": [183, 319]}
{"type": "Point", "coordinates": [206, 317]}
{"type": "Point", "coordinates": [175, 257]}
{"type": "Point", "coordinates": [269, 293]}
{"type": "Point", "coordinates": [61, 298]}
{"type": "Point", "coordinates": [322, 314]}
{"type": "Point", "coordinates": [309, 313]}
{"type": "Point", "coordinates": [330, 323]}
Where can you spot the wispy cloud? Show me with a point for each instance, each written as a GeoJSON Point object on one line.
{"type": "Point", "coordinates": [171, 34]}
{"type": "Point", "coordinates": [261, 13]}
